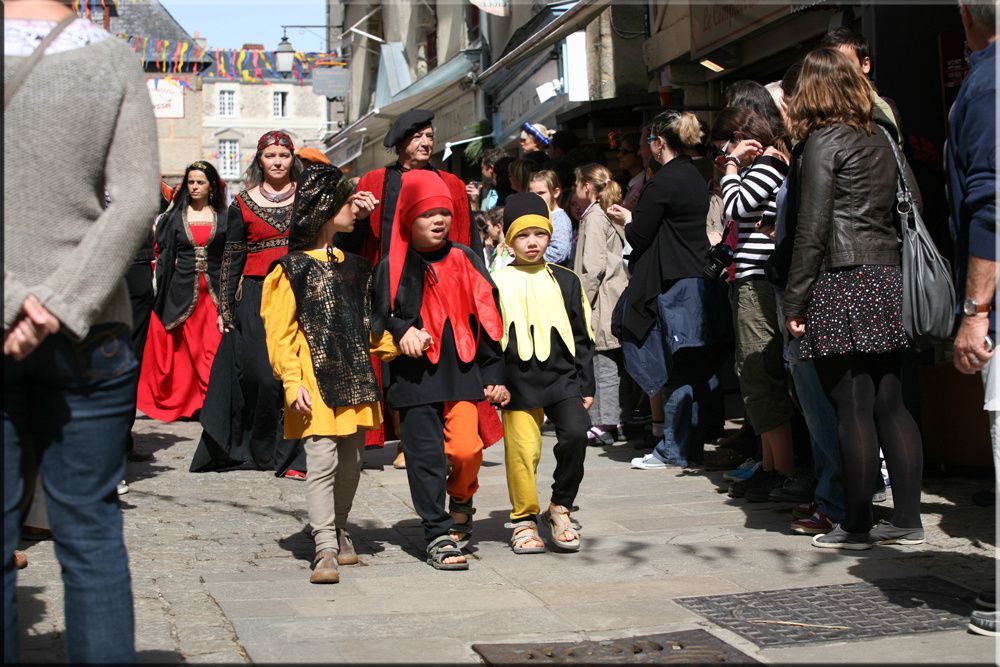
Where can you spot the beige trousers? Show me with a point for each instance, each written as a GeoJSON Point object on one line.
{"type": "Point", "coordinates": [332, 475]}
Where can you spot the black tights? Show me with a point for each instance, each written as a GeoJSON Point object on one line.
{"type": "Point", "coordinates": [867, 394]}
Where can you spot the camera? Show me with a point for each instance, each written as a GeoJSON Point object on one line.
{"type": "Point", "coordinates": [719, 257]}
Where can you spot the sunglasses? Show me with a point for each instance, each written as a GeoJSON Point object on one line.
{"type": "Point", "coordinates": [626, 151]}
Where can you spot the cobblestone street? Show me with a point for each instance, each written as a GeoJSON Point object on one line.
{"type": "Point", "coordinates": [220, 567]}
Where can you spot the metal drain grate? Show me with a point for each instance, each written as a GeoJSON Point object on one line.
{"type": "Point", "coordinates": [839, 612]}
{"type": "Point", "coordinates": [687, 647]}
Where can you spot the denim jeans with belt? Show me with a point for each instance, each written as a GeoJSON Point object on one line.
{"type": "Point", "coordinates": [72, 405]}
{"type": "Point", "coordinates": [822, 421]}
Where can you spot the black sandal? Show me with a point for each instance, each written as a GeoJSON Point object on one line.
{"type": "Point", "coordinates": [441, 548]}
{"type": "Point", "coordinates": [464, 529]}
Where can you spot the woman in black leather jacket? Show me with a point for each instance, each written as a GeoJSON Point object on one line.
{"type": "Point", "coordinates": [844, 294]}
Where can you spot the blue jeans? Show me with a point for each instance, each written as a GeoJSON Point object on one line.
{"type": "Point", "coordinates": [821, 418]}
{"type": "Point", "coordinates": [685, 397]}
{"type": "Point", "coordinates": [70, 405]}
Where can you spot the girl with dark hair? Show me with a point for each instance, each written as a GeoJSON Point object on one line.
{"type": "Point", "coordinates": [183, 334]}
{"type": "Point", "coordinates": [754, 162]}
{"type": "Point", "coordinates": [243, 416]}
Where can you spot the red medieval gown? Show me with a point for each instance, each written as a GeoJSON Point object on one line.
{"type": "Point", "coordinates": [176, 363]}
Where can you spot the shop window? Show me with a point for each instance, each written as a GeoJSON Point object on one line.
{"type": "Point", "coordinates": [229, 158]}
{"type": "Point", "coordinates": [280, 105]}
{"type": "Point", "coordinates": [472, 24]}
{"type": "Point", "coordinates": [227, 103]}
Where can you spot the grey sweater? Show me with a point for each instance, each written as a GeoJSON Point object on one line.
{"type": "Point", "coordinates": [81, 123]}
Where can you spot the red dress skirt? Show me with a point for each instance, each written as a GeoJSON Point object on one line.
{"type": "Point", "coordinates": [176, 363]}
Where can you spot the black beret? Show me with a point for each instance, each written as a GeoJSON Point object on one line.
{"type": "Point", "coordinates": [407, 124]}
{"type": "Point", "coordinates": [320, 192]}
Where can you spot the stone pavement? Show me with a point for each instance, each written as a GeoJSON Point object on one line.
{"type": "Point", "coordinates": [220, 566]}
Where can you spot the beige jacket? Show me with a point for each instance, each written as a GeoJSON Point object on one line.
{"type": "Point", "coordinates": [599, 249]}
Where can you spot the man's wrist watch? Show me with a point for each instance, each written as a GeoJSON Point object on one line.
{"type": "Point", "coordinates": [970, 308]}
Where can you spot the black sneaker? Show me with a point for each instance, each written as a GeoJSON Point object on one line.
{"type": "Point", "coordinates": [984, 498]}
{"type": "Point", "coordinates": [838, 538]}
{"type": "Point", "coordinates": [984, 623]}
{"type": "Point", "coordinates": [738, 489]}
{"type": "Point", "coordinates": [761, 493]}
{"type": "Point", "coordinates": [987, 599]}
{"type": "Point", "coordinates": [795, 490]}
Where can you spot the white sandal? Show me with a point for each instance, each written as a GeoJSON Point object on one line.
{"type": "Point", "coordinates": [525, 531]}
{"type": "Point", "coordinates": [560, 522]}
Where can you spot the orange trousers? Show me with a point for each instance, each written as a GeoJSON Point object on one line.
{"type": "Point", "coordinates": [464, 449]}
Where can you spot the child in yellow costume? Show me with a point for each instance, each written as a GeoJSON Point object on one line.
{"type": "Point", "coordinates": [316, 310]}
{"type": "Point", "coordinates": [549, 356]}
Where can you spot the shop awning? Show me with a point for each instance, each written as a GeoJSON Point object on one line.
{"type": "Point", "coordinates": [423, 91]}
{"type": "Point", "coordinates": [574, 19]}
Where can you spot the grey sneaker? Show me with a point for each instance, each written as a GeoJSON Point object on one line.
{"type": "Point", "coordinates": [885, 533]}
{"type": "Point", "coordinates": [838, 538]}
{"type": "Point", "coordinates": [984, 623]}
{"type": "Point", "coordinates": [880, 496]}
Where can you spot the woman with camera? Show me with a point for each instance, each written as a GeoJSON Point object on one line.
{"type": "Point", "coordinates": [754, 160]}
{"type": "Point", "coordinates": [675, 319]}
{"type": "Point", "coordinates": [845, 292]}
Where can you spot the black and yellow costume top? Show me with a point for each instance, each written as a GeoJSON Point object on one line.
{"type": "Point", "coordinates": [548, 343]}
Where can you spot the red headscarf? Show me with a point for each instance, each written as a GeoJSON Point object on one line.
{"type": "Point", "coordinates": [275, 137]}
{"type": "Point", "coordinates": [422, 190]}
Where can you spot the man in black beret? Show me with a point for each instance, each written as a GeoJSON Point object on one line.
{"type": "Point", "coordinates": [412, 138]}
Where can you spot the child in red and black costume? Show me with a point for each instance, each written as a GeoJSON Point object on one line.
{"type": "Point", "coordinates": [437, 300]}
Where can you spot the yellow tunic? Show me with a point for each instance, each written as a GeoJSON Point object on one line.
{"type": "Point", "coordinates": [291, 360]}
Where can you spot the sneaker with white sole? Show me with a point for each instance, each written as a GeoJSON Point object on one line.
{"type": "Point", "coordinates": [984, 623]}
{"type": "Point", "coordinates": [742, 471]}
{"type": "Point", "coordinates": [122, 488]}
{"type": "Point", "coordinates": [838, 538]}
{"type": "Point", "coordinates": [885, 533]}
{"type": "Point", "coordinates": [650, 462]}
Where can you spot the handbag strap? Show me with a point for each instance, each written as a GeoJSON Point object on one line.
{"type": "Point", "coordinates": [903, 194]}
{"type": "Point", "coordinates": [11, 87]}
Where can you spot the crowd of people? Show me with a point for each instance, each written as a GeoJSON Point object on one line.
{"type": "Point", "coordinates": [315, 315]}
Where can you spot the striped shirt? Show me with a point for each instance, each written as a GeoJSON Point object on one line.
{"type": "Point", "coordinates": [749, 198]}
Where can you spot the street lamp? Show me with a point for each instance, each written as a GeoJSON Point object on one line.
{"type": "Point", "coordinates": [284, 56]}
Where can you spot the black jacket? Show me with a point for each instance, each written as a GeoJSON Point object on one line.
{"type": "Point", "coordinates": [179, 264]}
{"type": "Point", "coordinates": [668, 238]}
{"type": "Point", "coordinates": [846, 208]}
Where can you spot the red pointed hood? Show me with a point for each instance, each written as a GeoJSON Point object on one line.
{"type": "Point", "coordinates": [422, 190]}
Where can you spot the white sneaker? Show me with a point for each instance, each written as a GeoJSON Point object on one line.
{"type": "Point", "coordinates": [649, 462]}
{"type": "Point", "coordinates": [122, 488]}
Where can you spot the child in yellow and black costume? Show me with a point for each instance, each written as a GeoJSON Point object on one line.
{"type": "Point", "coordinates": [548, 348]}
{"type": "Point", "coordinates": [316, 310]}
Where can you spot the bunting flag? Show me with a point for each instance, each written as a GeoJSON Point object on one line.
{"type": "Point", "coordinates": [168, 56]}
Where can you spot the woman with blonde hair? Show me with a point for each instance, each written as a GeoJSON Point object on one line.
{"type": "Point", "coordinates": [600, 245]}
{"type": "Point", "coordinates": [535, 139]}
{"type": "Point", "coordinates": [844, 294]}
{"type": "Point", "coordinates": [675, 320]}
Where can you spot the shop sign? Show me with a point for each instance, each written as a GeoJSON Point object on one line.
{"type": "Point", "coordinates": [524, 98]}
{"type": "Point", "coordinates": [714, 26]}
{"type": "Point", "coordinates": [455, 120]}
{"type": "Point", "coordinates": [167, 98]}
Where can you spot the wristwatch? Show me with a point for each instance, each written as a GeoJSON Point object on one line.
{"type": "Point", "coordinates": [970, 307]}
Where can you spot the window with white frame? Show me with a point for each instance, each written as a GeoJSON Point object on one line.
{"type": "Point", "coordinates": [227, 103]}
{"type": "Point", "coordinates": [280, 105]}
{"type": "Point", "coordinates": [229, 158]}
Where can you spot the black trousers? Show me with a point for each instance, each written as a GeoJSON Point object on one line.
{"type": "Point", "coordinates": [139, 280]}
{"type": "Point", "coordinates": [523, 449]}
{"type": "Point", "coordinates": [436, 436]}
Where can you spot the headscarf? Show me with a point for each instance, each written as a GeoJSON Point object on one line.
{"type": "Point", "coordinates": [275, 137]}
{"type": "Point", "coordinates": [312, 155]}
{"type": "Point", "coordinates": [523, 210]}
{"type": "Point", "coordinates": [422, 190]}
{"type": "Point", "coordinates": [320, 192]}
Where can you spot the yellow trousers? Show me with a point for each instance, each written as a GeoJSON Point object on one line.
{"type": "Point", "coordinates": [522, 438]}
